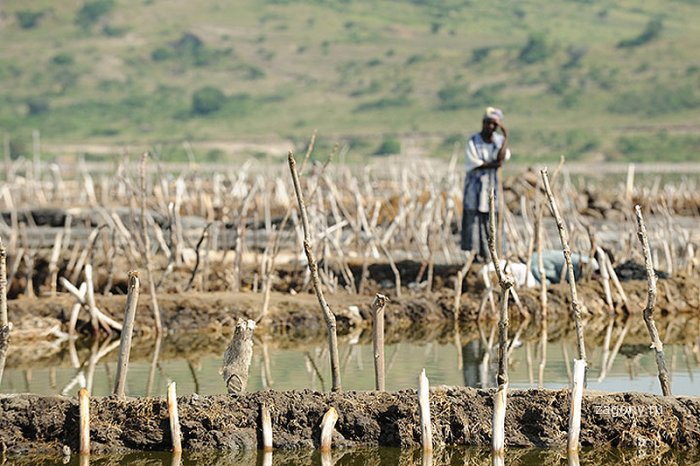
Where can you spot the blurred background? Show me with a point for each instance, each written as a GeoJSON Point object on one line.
{"type": "Point", "coordinates": [214, 80]}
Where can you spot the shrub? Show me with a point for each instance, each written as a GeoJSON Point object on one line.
{"type": "Point", "coordinates": [207, 100]}
{"type": "Point", "coordinates": [650, 32]}
{"type": "Point", "coordinates": [575, 55]}
{"type": "Point", "coordinates": [37, 106]}
{"type": "Point", "coordinates": [188, 44]}
{"type": "Point", "coordinates": [215, 155]}
{"type": "Point", "coordinates": [384, 103]}
{"type": "Point", "coordinates": [486, 95]}
{"type": "Point", "coordinates": [28, 19]}
{"type": "Point", "coordinates": [62, 59]}
{"type": "Point", "coordinates": [162, 54]}
{"type": "Point", "coordinates": [114, 31]}
{"type": "Point", "coordinates": [253, 72]}
{"type": "Point", "coordinates": [92, 11]}
{"type": "Point", "coordinates": [480, 54]}
{"type": "Point", "coordinates": [191, 49]}
{"type": "Point", "coordinates": [373, 87]}
{"type": "Point", "coordinates": [535, 50]}
{"type": "Point", "coordinates": [453, 97]}
{"type": "Point", "coordinates": [415, 58]}
{"type": "Point", "coordinates": [389, 146]}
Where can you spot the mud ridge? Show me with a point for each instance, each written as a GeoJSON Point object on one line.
{"type": "Point", "coordinates": [298, 315]}
{"type": "Point", "coordinates": [461, 416]}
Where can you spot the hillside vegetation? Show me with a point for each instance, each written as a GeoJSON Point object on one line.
{"type": "Point", "coordinates": [594, 80]}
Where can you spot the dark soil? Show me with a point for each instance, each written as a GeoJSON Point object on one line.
{"type": "Point", "coordinates": [460, 416]}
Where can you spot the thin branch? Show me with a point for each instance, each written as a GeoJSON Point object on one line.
{"type": "Point", "coordinates": [651, 301]}
{"type": "Point", "coordinates": [313, 268]}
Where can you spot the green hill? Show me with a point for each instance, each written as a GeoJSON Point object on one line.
{"type": "Point", "coordinates": [594, 80]}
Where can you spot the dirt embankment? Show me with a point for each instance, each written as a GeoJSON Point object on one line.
{"type": "Point", "coordinates": [460, 416]}
{"type": "Point", "coordinates": [298, 315]}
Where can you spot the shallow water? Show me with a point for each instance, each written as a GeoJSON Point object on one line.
{"type": "Point", "coordinates": [623, 367]}
{"type": "Point", "coordinates": [377, 457]}
{"type": "Point", "coordinates": [626, 365]}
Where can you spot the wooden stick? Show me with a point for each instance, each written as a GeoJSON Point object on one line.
{"type": "Point", "coordinates": [82, 291]}
{"type": "Point", "coordinates": [543, 354]}
{"type": "Point", "coordinates": [327, 426]}
{"type": "Point", "coordinates": [53, 263]}
{"type": "Point", "coordinates": [539, 232]}
{"type": "Point", "coordinates": [580, 363]}
{"type": "Point", "coordinates": [651, 301]}
{"type": "Point", "coordinates": [426, 427]}
{"type": "Point", "coordinates": [506, 282]}
{"type": "Point", "coordinates": [90, 298]}
{"type": "Point", "coordinates": [313, 268]}
{"type": "Point", "coordinates": [266, 422]}
{"type": "Point", "coordinates": [456, 312]}
{"type": "Point", "coordinates": [629, 185]}
{"type": "Point", "coordinates": [606, 349]}
{"type": "Point", "coordinates": [205, 235]}
{"type": "Point", "coordinates": [499, 420]}
{"type": "Point", "coordinates": [28, 260]}
{"type": "Point", "coordinates": [378, 306]}
{"type": "Point", "coordinates": [83, 256]}
{"type": "Point", "coordinates": [564, 237]}
{"type": "Point", "coordinates": [4, 345]}
{"type": "Point", "coordinates": [84, 403]}
{"type": "Point", "coordinates": [154, 364]}
{"type": "Point", "coordinates": [3, 285]}
{"type": "Point", "coordinates": [572, 458]}
{"type": "Point", "coordinates": [618, 286]}
{"type": "Point", "coordinates": [457, 305]}
{"type": "Point", "coordinates": [174, 418]}
{"type": "Point", "coordinates": [237, 357]}
{"type": "Point", "coordinates": [147, 249]}
{"type": "Point", "coordinates": [605, 277]}
{"type": "Point", "coordinates": [575, 409]}
{"type": "Point", "coordinates": [80, 296]}
{"type": "Point", "coordinates": [127, 331]}
{"type": "Point", "coordinates": [498, 458]}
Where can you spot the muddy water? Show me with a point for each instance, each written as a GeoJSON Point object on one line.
{"type": "Point", "coordinates": [377, 457]}
{"type": "Point", "coordinates": [622, 367]}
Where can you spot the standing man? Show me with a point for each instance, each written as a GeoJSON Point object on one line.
{"type": "Point", "coordinates": [485, 153]}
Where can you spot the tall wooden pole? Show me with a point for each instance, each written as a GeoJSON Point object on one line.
{"type": "Point", "coordinates": [313, 267]}
{"type": "Point", "coordinates": [506, 282]}
{"type": "Point", "coordinates": [580, 363]}
{"type": "Point", "coordinates": [378, 340]}
{"type": "Point", "coordinates": [656, 343]}
{"type": "Point", "coordinates": [132, 300]}
{"type": "Point", "coordinates": [564, 237]}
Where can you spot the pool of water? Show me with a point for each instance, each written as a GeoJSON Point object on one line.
{"type": "Point", "coordinates": [378, 457]}
{"type": "Point", "coordinates": [621, 366]}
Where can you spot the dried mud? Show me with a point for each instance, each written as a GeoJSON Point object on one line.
{"type": "Point", "coordinates": [460, 416]}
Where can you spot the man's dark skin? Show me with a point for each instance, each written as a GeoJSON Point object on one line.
{"type": "Point", "coordinates": [488, 127]}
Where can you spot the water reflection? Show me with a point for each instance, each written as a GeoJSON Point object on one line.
{"type": "Point", "coordinates": [619, 360]}
{"type": "Point", "coordinates": [374, 457]}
